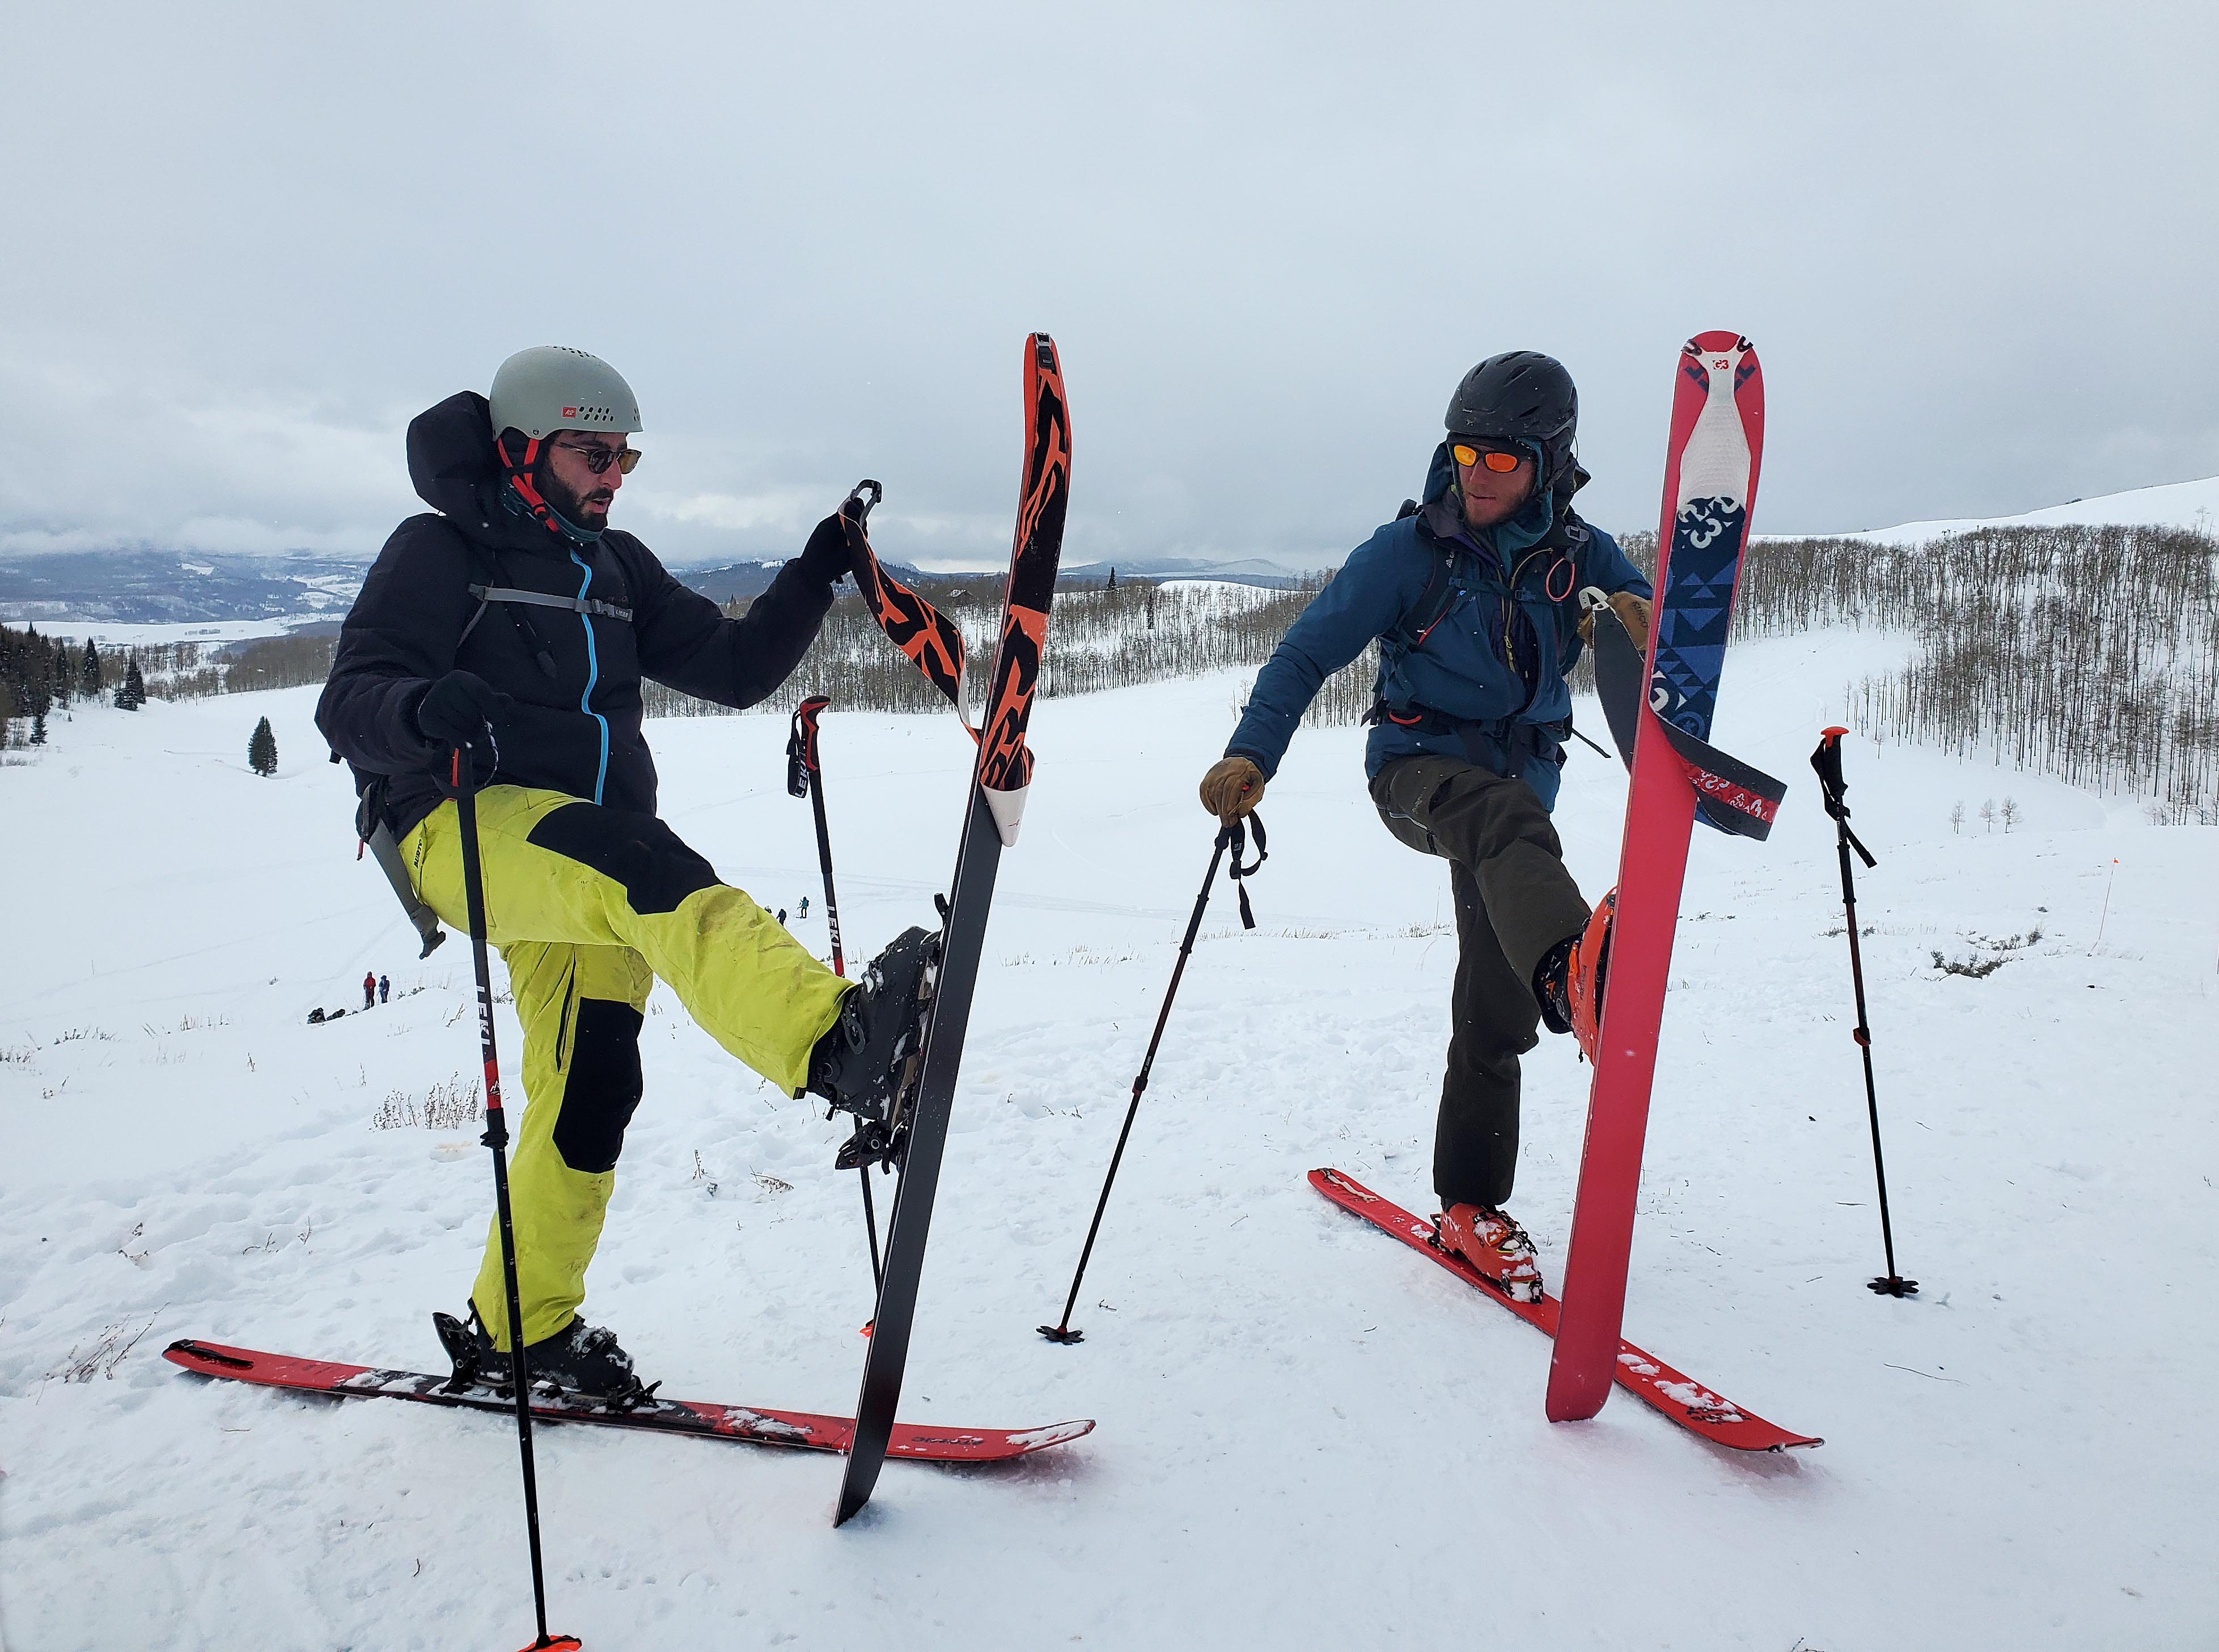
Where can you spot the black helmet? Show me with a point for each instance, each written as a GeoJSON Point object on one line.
{"type": "Point", "coordinates": [1523, 394]}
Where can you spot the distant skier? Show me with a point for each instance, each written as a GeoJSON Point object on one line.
{"type": "Point", "coordinates": [369, 989]}
{"type": "Point", "coordinates": [804, 907]}
{"type": "Point", "coordinates": [781, 917]}
{"type": "Point", "coordinates": [1473, 596]}
{"type": "Point", "coordinates": [384, 989]}
{"type": "Point", "coordinates": [516, 623]}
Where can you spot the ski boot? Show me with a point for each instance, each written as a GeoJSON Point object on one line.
{"type": "Point", "coordinates": [580, 1359]}
{"type": "Point", "coordinates": [861, 1062]}
{"type": "Point", "coordinates": [1569, 980]}
{"type": "Point", "coordinates": [1496, 1244]}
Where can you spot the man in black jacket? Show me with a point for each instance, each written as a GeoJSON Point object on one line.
{"type": "Point", "coordinates": [514, 624]}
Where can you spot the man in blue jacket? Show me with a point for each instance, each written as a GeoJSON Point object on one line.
{"type": "Point", "coordinates": [1473, 596]}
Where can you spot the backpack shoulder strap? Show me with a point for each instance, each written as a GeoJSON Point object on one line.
{"type": "Point", "coordinates": [1439, 591]}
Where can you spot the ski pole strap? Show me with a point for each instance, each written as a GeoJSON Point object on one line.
{"type": "Point", "coordinates": [487, 593]}
{"type": "Point", "coordinates": [1236, 838]}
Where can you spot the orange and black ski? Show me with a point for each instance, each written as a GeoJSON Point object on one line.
{"type": "Point", "coordinates": [999, 782]}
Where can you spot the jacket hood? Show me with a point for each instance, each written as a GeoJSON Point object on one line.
{"type": "Point", "coordinates": [456, 472]}
{"type": "Point", "coordinates": [451, 458]}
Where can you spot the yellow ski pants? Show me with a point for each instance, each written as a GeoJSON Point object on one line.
{"type": "Point", "coordinates": [589, 906]}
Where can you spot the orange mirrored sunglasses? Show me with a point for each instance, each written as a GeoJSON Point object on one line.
{"type": "Point", "coordinates": [1495, 458]}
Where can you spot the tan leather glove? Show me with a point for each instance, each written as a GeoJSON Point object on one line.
{"type": "Point", "coordinates": [1232, 787]}
{"type": "Point", "coordinates": [1633, 612]}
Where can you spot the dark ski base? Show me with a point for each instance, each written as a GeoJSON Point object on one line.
{"type": "Point", "coordinates": [990, 823]}
{"type": "Point", "coordinates": [806, 1429]}
{"type": "Point", "coordinates": [1686, 1402]}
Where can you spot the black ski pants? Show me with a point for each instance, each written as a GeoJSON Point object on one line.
{"type": "Point", "coordinates": [1514, 901]}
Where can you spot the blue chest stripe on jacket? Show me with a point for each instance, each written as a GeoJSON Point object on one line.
{"type": "Point", "coordinates": [593, 676]}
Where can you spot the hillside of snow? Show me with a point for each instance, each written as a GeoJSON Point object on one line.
{"type": "Point", "coordinates": [2176, 504]}
{"type": "Point", "coordinates": [1309, 1437]}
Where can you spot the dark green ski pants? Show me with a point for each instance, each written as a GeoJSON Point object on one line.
{"type": "Point", "coordinates": [1514, 902]}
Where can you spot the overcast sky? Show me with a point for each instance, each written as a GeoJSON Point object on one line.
{"type": "Point", "coordinates": [1975, 247]}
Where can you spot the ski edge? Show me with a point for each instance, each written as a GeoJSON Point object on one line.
{"type": "Point", "coordinates": [741, 1424]}
{"type": "Point", "coordinates": [1640, 1372]}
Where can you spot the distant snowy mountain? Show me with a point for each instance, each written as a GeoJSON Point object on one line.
{"type": "Point", "coordinates": [156, 587]}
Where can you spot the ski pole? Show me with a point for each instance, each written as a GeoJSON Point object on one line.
{"type": "Point", "coordinates": [804, 778]}
{"type": "Point", "coordinates": [464, 782]}
{"type": "Point", "coordinates": [1232, 834]}
{"type": "Point", "coordinates": [1827, 760]}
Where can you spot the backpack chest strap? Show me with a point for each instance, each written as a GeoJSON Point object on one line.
{"type": "Point", "coordinates": [486, 593]}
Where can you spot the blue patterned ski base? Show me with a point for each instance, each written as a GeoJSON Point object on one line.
{"type": "Point", "coordinates": [1696, 608]}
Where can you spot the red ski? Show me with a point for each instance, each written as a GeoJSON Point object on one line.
{"type": "Point", "coordinates": [1685, 1400]}
{"type": "Point", "coordinates": [1710, 484]}
{"type": "Point", "coordinates": [804, 1429]}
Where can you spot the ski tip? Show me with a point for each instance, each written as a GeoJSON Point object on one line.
{"type": "Point", "coordinates": [556, 1643]}
{"type": "Point", "coordinates": [1339, 1185]}
{"type": "Point", "coordinates": [200, 1356]}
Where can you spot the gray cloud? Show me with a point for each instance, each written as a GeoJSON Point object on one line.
{"type": "Point", "coordinates": [1971, 243]}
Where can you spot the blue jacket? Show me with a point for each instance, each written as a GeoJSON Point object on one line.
{"type": "Point", "coordinates": [1498, 654]}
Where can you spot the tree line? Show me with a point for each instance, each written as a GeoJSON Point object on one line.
{"type": "Point", "coordinates": [41, 674]}
{"type": "Point", "coordinates": [2087, 653]}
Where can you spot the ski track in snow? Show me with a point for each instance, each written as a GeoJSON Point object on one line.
{"type": "Point", "coordinates": [1308, 1436]}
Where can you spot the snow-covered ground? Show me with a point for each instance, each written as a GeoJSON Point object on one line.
{"type": "Point", "coordinates": [1309, 1437]}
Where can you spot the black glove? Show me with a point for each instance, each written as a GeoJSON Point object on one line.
{"type": "Point", "coordinates": [459, 710]}
{"type": "Point", "coordinates": [827, 555]}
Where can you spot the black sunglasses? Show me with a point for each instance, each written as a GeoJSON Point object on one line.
{"type": "Point", "coordinates": [598, 458]}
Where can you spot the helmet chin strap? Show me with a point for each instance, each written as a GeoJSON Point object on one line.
{"type": "Point", "coordinates": [519, 471]}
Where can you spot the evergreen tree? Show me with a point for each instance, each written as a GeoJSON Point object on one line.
{"type": "Point", "coordinates": [131, 692]}
{"type": "Point", "coordinates": [1112, 585]}
{"type": "Point", "coordinates": [62, 674]}
{"type": "Point", "coordinates": [262, 749]}
{"type": "Point", "coordinates": [37, 727]}
{"type": "Point", "coordinates": [88, 682]}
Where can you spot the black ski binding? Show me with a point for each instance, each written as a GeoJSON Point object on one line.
{"type": "Point", "coordinates": [467, 1352]}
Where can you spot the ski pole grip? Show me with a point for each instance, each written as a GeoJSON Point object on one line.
{"type": "Point", "coordinates": [860, 498]}
{"type": "Point", "coordinates": [801, 744]}
{"type": "Point", "coordinates": [1827, 760]}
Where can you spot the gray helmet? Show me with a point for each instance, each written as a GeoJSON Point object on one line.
{"type": "Point", "coordinates": [552, 387]}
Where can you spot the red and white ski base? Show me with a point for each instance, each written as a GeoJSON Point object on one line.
{"type": "Point", "coordinates": [1686, 1402]}
{"type": "Point", "coordinates": [806, 1429]}
{"type": "Point", "coordinates": [1710, 487]}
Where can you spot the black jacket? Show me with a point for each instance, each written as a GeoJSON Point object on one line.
{"type": "Point", "coordinates": [574, 677]}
